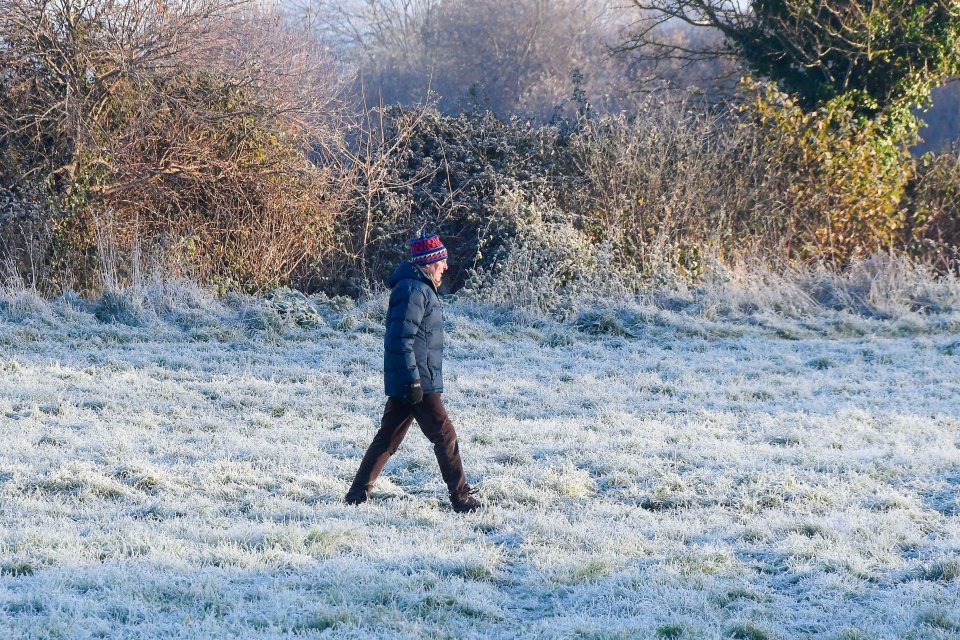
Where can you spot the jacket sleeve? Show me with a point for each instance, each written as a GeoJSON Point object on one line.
{"type": "Point", "coordinates": [404, 328]}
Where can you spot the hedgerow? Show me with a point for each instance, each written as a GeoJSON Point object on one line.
{"type": "Point", "coordinates": [249, 172]}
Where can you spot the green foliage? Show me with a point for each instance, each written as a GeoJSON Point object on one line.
{"type": "Point", "coordinates": [848, 175]}
{"type": "Point", "coordinates": [882, 57]}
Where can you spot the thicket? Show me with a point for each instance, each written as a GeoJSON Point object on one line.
{"type": "Point", "coordinates": [174, 128]}
{"type": "Point", "coordinates": [209, 136]}
{"type": "Point", "coordinates": [539, 211]}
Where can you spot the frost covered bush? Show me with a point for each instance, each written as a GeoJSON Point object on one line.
{"type": "Point", "coordinates": [122, 306]}
{"type": "Point", "coordinates": [880, 286]}
{"type": "Point", "coordinates": [533, 256]}
{"type": "Point", "coordinates": [369, 315]}
{"type": "Point", "coordinates": [631, 192]}
{"type": "Point", "coordinates": [751, 286]}
{"type": "Point", "coordinates": [285, 309]}
{"type": "Point", "coordinates": [889, 285]}
{"type": "Point", "coordinates": [602, 322]}
{"type": "Point", "coordinates": [71, 306]}
{"type": "Point", "coordinates": [294, 306]}
{"type": "Point", "coordinates": [183, 302]}
{"type": "Point", "coordinates": [643, 199]}
{"type": "Point", "coordinates": [18, 303]}
{"type": "Point", "coordinates": [439, 172]}
{"type": "Point", "coordinates": [258, 315]}
{"type": "Point", "coordinates": [655, 195]}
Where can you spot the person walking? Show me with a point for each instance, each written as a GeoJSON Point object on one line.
{"type": "Point", "coordinates": [413, 375]}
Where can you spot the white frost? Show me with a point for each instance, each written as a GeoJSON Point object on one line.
{"type": "Point", "coordinates": [692, 475]}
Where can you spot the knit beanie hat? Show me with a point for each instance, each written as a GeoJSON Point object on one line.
{"type": "Point", "coordinates": [427, 249]}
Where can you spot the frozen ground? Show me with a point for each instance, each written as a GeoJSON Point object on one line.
{"type": "Point", "coordinates": [650, 473]}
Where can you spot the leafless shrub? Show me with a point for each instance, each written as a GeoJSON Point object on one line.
{"type": "Point", "coordinates": [651, 198]}
{"type": "Point", "coordinates": [418, 168]}
{"type": "Point", "coordinates": [933, 230]}
{"type": "Point", "coordinates": [25, 236]}
{"type": "Point", "coordinates": [189, 120]}
{"type": "Point", "coordinates": [375, 173]}
{"type": "Point", "coordinates": [675, 181]}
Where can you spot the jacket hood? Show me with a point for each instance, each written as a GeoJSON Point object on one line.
{"type": "Point", "coordinates": [407, 270]}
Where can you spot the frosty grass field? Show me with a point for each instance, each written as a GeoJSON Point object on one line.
{"type": "Point", "coordinates": [652, 471]}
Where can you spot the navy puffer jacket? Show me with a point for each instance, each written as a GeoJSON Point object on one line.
{"type": "Point", "coordinates": [413, 343]}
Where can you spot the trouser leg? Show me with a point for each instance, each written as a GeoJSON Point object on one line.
{"type": "Point", "coordinates": [435, 424]}
{"type": "Point", "coordinates": [397, 418]}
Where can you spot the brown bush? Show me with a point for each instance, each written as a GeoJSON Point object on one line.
{"type": "Point", "coordinates": [678, 180]}
{"type": "Point", "coordinates": [666, 189]}
{"type": "Point", "coordinates": [209, 133]}
{"type": "Point", "coordinates": [185, 124]}
{"type": "Point", "coordinates": [933, 224]}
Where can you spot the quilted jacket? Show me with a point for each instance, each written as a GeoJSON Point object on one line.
{"type": "Point", "coordinates": [413, 343]}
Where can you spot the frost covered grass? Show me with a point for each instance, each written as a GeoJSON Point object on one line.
{"type": "Point", "coordinates": [696, 465]}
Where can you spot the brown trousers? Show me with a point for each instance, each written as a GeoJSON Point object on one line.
{"type": "Point", "coordinates": [397, 417]}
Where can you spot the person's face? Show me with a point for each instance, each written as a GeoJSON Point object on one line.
{"type": "Point", "coordinates": [435, 270]}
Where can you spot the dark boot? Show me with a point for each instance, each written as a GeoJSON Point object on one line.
{"type": "Point", "coordinates": [355, 497]}
{"type": "Point", "coordinates": [464, 502]}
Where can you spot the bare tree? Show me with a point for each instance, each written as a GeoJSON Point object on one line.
{"type": "Point", "coordinates": [371, 27]}
{"type": "Point", "coordinates": [508, 55]}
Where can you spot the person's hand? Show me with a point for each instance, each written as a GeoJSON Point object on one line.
{"type": "Point", "coordinates": [414, 393]}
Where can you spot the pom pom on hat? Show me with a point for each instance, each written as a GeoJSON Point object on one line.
{"type": "Point", "coordinates": [427, 249]}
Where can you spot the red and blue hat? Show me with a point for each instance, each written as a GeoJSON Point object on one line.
{"type": "Point", "coordinates": [427, 249]}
